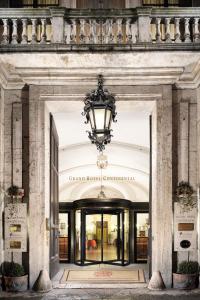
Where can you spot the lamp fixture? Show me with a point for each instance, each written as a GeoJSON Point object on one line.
{"type": "Point", "coordinates": [102, 161]}
{"type": "Point", "coordinates": [100, 111]}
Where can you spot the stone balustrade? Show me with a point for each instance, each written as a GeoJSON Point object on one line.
{"type": "Point", "coordinates": [127, 27]}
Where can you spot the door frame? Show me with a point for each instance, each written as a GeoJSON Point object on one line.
{"type": "Point", "coordinates": [54, 199]}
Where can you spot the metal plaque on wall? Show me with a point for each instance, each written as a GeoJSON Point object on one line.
{"type": "Point", "coordinates": [185, 229]}
{"type": "Point", "coordinates": [16, 227]}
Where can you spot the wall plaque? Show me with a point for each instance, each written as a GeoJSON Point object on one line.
{"type": "Point", "coordinates": [185, 229]}
{"type": "Point", "coordinates": [16, 227]}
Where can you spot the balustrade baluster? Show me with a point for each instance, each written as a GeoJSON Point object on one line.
{"type": "Point", "coordinates": [67, 33]}
{"type": "Point", "coordinates": [134, 32]}
{"type": "Point", "coordinates": [5, 32]}
{"type": "Point", "coordinates": [91, 32]}
{"type": "Point", "coordinates": [14, 32]}
{"type": "Point", "coordinates": [119, 31]}
{"type": "Point", "coordinates": [107, 31]}
{"type": "Point", "coordinates": [82, 35]}
{"type": "Point", "coordinates": [99, 35]}
{"type": "Point", "coordinates": [34, 32]}
{"type": "Point", "coordinates": [158, 32]}
{"type": "Point", "coordinates": [177, 30]}
{"type": "Point", "coordinates": [128, 31]}
{"type": "Point", "coordinates": [43, 33]}
{"type": "Point", "coordinates": [95, 30]}
{"type": "Point", "coordinates": [187, 30]}
{"type": "Point", "coordinates": [24, 31]}
{"type": "Point", "coordinates": [73, 32]}
{"type": "Point", "coordinates": [196, 35]}
{"type": "Point", "coordinates": [167, 30]}
{"type": "Point", "coordinates": [110, 31]}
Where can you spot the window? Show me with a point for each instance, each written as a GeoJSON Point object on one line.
{"type": "Point", "coordinates": [33, 3]}
{"type": "Point", "coordinates": [84, 4]}
{"type": "Point", "coordinates": [167, 3]}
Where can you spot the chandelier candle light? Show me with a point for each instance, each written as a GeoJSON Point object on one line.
{"type": "Point", "coordinates": [100, 111]}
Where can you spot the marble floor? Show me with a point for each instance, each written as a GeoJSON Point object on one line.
{"type": "Point", "coordinates": [56, 280]}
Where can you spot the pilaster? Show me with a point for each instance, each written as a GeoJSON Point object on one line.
{"type": "Point", "coordinates": [162, 215]}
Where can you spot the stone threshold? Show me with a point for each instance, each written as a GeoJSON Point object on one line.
{"type": "Point", "coordinates": [114, 285]}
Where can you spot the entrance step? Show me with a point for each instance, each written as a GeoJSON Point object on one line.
{"type": "Point", "coordinates": [114, 285]}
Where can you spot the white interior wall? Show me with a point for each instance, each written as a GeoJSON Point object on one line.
{"type": "Point", "coordinates": [127, 174]}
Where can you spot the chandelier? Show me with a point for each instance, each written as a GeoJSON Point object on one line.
{"type": "Point", "coordinates": [100, 111]}
{"type": "Point", "coordinates": [102, 163]}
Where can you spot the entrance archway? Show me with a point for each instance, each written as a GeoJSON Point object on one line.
{"type": "Point", "coordinates": [161, 208]}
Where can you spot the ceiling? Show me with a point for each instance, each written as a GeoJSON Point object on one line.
{"type": "Point", "coordinates": [127, 174]}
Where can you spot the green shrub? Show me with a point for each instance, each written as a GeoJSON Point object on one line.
{"type": "Point", "coordinates": [188, 267]}
{"type": "Point", "coordinates": [12, 269]}
{"type": "Point", "coordinates": [13, 190]}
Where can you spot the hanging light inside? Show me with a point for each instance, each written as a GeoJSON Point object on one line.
{"type": "Point", "coordinates": [102, 161]}
{"type": "Point", "coordinates": [99, 110]}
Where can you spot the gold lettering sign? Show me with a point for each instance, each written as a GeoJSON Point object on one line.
{"type": "Point", "coordinates": [185, 226]}
{"type": "Point", "coordinates": [15, 245]}
{"type": "Point", "coordinates": [15, 228]}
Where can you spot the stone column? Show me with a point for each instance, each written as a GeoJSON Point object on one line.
{"type": "Point", "coordinates": [13, 147]}
{"type": "Point", "coordinates": [37, 227]}
{"type": "Point", "coordinates": [162, 216]}
{"type": "Point", "coordinates": [187, 146]}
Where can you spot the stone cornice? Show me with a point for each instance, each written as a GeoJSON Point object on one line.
{"type": "Point", "coordinates": [14, 74]}
{"type": "Point", "coordinates": [9, 79]}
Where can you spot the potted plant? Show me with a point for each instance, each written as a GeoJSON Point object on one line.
{"type": "Point", "coordinates": [15, 193]}
{"type": "Point", "coordinates": [187, 276]}
{"type": "Point", "coordinates": [185, 196]}
{"type": "Point", "coordinates": [14, 277]}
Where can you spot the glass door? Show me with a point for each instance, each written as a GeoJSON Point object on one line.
{"type": "Point", "coordinates": [110, 238]}
{"type": "Point", "coordinates": [141, 236]}
{"type": "Point", "coordinates": [102, 237]}
{"type": "Point", "coordinates": [64, 240]}
{"type": "Point", "coordinates": [93, 238]}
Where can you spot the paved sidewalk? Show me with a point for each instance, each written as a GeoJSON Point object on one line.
{"type": "Point", "coordinates": [102, 294]}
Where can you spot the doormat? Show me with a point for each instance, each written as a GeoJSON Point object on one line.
{"type": "Point", "coordinates": [103, 276]}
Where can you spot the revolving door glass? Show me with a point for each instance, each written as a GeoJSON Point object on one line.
{"type": "Point", "coordinates": [104, 237]}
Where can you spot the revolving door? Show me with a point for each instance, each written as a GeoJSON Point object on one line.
{"type": "Point", "coordinates": [102, 236]}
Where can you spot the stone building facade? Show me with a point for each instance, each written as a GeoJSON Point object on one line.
{"type": "Point", "coordinates": [54, 54]}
